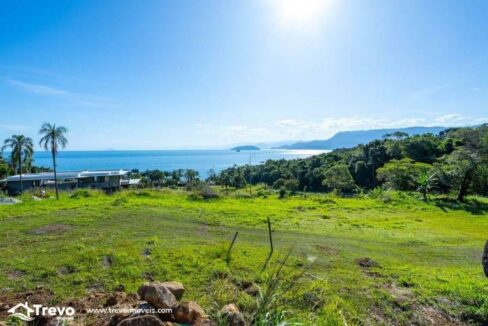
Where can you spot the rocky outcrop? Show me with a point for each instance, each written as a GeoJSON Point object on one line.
{"type": "Point", "coordinates": [165, 296]}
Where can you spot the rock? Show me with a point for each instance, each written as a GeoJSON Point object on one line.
{"type": "Point", "coordinates": [9, 201]}
{"type": "Point", "coordinates": [190, 312]}
{"type": "Point", "coordinates": [146, 320]}
{"type": "Point", "coordinates": [203, 322]}
{"type": "Point", "coordinates": [144, 309]}
{"type": "Point", "coordinates": [234, 316]}
{"type": "Point", "coordinates": [366, 262]}
{"type": "Point", "coordinates": [115, 298]}
{"type": "Point", "coordinates": [484, 260]}
{"type": "Point", "coordinates": [176, 288]}
{"type": "Point", "coordinates": [157, 295]}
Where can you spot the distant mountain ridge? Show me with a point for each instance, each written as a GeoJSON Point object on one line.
{"type": "Point", "coordinates": [345, 139]}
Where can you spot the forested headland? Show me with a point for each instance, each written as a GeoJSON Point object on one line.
{"type": "Point", "coordinates": [454, 161]}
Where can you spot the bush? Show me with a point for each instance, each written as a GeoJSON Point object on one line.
{"type": "Point", "coordinates": [282, 193]}
{"type": "Point", "coordinates": [291, 185]}
{"type": "Point", "coordinates": [120, 201]}
{"type": "Point", "coordinates": [203, 191]}
{"type": "Point", "coordinates": [80, 193]}
{"type": "Point", "coordinates": [280, 183]}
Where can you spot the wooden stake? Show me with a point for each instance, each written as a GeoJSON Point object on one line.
{"type": "Point", "coordinates": [227, 259]}
{"type": "Point", "coordinates": [271, 246]}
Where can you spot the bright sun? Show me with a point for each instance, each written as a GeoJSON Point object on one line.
{"type": "Point", "coordinates": [299, 13]}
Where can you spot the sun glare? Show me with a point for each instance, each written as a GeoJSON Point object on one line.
{"type": "Point", "coordinates": [299, 13]}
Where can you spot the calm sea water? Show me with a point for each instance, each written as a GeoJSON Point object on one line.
{"type": "Point", "coordinates": [199, 160]}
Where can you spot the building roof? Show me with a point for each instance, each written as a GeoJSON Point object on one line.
{"type": "Point", "coordinates": [65, 175]}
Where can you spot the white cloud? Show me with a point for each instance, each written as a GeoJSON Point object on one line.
{"type": "Point", "coordinates": [39, 89]}
{"type": "Point", "coordinates": [294, 129]}
{"type": "Point", "coordinates": [449, 118]}
{"type": "Point", "coordinates": [73, 98]}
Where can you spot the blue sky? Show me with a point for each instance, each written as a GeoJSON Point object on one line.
{"type": "Point", "coordinates": [197, 74]}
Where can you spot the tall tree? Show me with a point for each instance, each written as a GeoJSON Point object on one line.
{"type": "Point", "coordinates": [52, 138]}
{"type": "Point", "coordinates": [21, 151]}
{"type": "Point", "coordinates": [462, 166]}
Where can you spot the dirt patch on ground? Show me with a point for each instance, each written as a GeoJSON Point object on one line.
{"type": "Point", "coordinates": [421, 314]}
{"type": "Point", "coordinates": [202, 229]}
{"type": "Point", "coordinates": [107, 261]}
{"type": "Point", "coordinates": [15, 274]}
{"type": "Point", "coordinates": [37, 296]}
{"type": "Point", "coordinates": [367, 262]}
{"type": "Point", "coordinates": [327, 249]}
{"type": "Point", "coordinates": [51, 229]}
{"type": "Point", "coordinates": [66, 270]}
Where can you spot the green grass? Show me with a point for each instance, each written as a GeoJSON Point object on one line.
{"type": "Point", "coordinates": [428, 253]}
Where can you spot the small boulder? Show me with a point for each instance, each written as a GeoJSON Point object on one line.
{"type": "Point", "coordinates": [146, 320]}
{"type": "Point", "coordinates": [157, 295]}
{"type": "Point", "coordinates": [176, 288]}
{"type": "Point", "coordinates": [115, 298]}
{"type": "Point", "coordinates": [233, 315]}
{"type": "Point", "coordinates": [190, 312]}
{"type": "Point", "coordinates": [484, 260]}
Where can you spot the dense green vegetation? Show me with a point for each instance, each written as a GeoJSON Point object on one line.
{"type": "Point", "coordinates": [455, 161]}
{"type": "Point", "coordinates": [425, 256]}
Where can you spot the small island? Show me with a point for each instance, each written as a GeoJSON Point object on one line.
{"type": "Point", "coordinates": [245, 148]}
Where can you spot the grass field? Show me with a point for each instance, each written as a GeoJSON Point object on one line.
{"type": "Point", "coordinates": [428, 266]}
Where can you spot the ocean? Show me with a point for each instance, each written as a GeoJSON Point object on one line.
{"type": "Point", "coordinates": [200, 160]}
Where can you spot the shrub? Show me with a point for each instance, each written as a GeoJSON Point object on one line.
{"type": "Point", "coordinates": [282, 193]}
{"type": "Point", "coordinates": [279, 183]}
{"type": "Point", "coordinates": [203, 191]}
{"type": "Point", "coordinates": [80, 193]}
{"type": "Point", "coordinates": [291, 185]}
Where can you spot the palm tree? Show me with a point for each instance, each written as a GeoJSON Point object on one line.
{"type": "Point", "coordinates": [21, 152]}
{"type": "Point", "coordinates": [425, 183]}
{"type": "Point", "coordinates": [52, 138]}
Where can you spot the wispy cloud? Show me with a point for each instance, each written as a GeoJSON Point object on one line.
{"type": "Point", "coordinates": [39, 89]}
{"type": "Point", "coordinates": [65, 95]}
{"type": "Point", "coordinates": [42, 75]}
{"type": "Point", "coordinates": [324, 128]}
{"type": "Point", "coordinates": [13, 128]}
